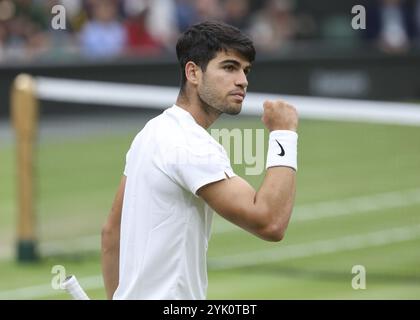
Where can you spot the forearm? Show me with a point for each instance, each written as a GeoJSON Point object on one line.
{"type": "Point", "coordinates": [111, 243]}
{"type": "Point", "coordinates": [275, 198]}
{"type": "Point", "coordinates": [110, 260]}
{"type": "Point", "coordinates": [276, 195]}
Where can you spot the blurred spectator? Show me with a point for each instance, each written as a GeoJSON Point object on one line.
{"type": "Point", "coordinates": [237, 13]}
{"type": "Point", "coordinates": [104, 35]}
{"type": "Point", "coordinates": [208, 10]}
{"type": "Point", "coordinates": [3, 35]}
{"type": "Point", "coordinates": [61, 42]}
{"type": "Point", "coordinates": [139, 39]}
{"type": "Point", "coordinates": [390, 24]}
{"type": "Point", "coordinates": [417, 20]}
{"type": "Point", "coordinates": [24, 24]}
{"type": "Point", "coordinates": [149, 27]}
{"type": "Point", "coordinates": [189, 12]}
{"type": "Point", "coordinates": [186, 14]}
{"type": "Point", "coordinates": [274, 25]}
{"type": "Point", "coordinates": [76, 13]}
{"type": "Point", "coordinates": [157, 19]}
{"type": "Point", "coordinates": [162, 22]}
{"type": "Point", "coordinates": [73, 7]}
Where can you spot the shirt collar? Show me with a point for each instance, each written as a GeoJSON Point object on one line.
{"type": "Point", "coordinates": [181, 112]}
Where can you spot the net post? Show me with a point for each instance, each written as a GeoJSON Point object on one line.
{"type": "Point", "coordinates": [24, 113]}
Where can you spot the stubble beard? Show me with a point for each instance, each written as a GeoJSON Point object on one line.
{"type": "Point", "coordinates": [210, 100]}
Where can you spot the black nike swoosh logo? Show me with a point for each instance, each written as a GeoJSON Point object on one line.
{"type": "Point", "coordinates": [282, 153]}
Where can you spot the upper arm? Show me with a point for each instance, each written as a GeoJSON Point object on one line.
{"type": "Point", "coordinates": [235, 200]}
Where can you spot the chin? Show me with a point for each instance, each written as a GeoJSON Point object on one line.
{"type": "Point", "coordinates": [232, 110]}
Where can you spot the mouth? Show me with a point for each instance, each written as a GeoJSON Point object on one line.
{"type": "Point", "coordinates": [238, 95]}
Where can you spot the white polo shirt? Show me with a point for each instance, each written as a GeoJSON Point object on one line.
{"type": "Point", "coordinates": [165, 226]}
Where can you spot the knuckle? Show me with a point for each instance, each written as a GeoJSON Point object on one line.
{"type": "Point", "coordinates": [279, 103]}
{"type": "Point", "coordinates": [292, 109]}
{"type": "Point", "coordinates": [267, 103]}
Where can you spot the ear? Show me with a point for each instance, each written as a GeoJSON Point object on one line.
{"type": "Point", "coordinates": [192, 72]}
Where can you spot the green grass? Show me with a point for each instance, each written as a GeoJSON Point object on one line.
{"type": "Point", "coordinates": [77, 178]}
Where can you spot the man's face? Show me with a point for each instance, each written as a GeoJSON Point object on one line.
{"type": "Point", "coordinates": [223, 85]}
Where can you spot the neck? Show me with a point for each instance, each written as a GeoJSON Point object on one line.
{"type": "Point", "coordinates": [202, 113]}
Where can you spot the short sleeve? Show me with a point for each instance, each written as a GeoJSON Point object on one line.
{"type": "Point", "coordinates": [193, 168]}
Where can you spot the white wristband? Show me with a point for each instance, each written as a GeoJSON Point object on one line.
{"type": "Point", "coordinates": [282, 149]}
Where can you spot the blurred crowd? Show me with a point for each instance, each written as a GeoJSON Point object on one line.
{"type": "Point", "coordinates": [109, 28]}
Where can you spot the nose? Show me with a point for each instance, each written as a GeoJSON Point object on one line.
{"type": "Point", "coordinates": [242, 80]}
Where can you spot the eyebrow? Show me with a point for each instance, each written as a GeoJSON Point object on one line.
{"type": "Point", "coordinates": [235, 62]}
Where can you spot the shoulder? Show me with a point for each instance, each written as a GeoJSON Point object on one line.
{"type": "Point", "coordinates": [195, 139]}
{"type": "Point", "coordinates": [173, 129]}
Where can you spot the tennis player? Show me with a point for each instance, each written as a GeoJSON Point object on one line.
{"type": "Point", "coordinates": [154, 243]}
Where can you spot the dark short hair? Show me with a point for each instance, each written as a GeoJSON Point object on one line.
{"type": "Point", "coordinates": [202, 41]}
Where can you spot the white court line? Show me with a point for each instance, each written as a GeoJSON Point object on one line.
{"type": "Point", "coordinates": [282, 253]}
{"type": "Point", "coordinates": [35, 292]}
{"type": "Point", "coordinates": [302, 213]}
{"type": "Point", "coordinates": [295, 251]}
{"type": "Point", "coordinates": [335, 208]}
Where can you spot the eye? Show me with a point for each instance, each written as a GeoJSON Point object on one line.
{"type": "Point", "coordinates": [229, 67]}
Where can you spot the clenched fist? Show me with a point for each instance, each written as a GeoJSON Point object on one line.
{"type": "Point", "coordinates": [278, 115]}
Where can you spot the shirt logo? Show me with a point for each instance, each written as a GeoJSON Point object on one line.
{"type": "Point", "coordinates": [282, 153]}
